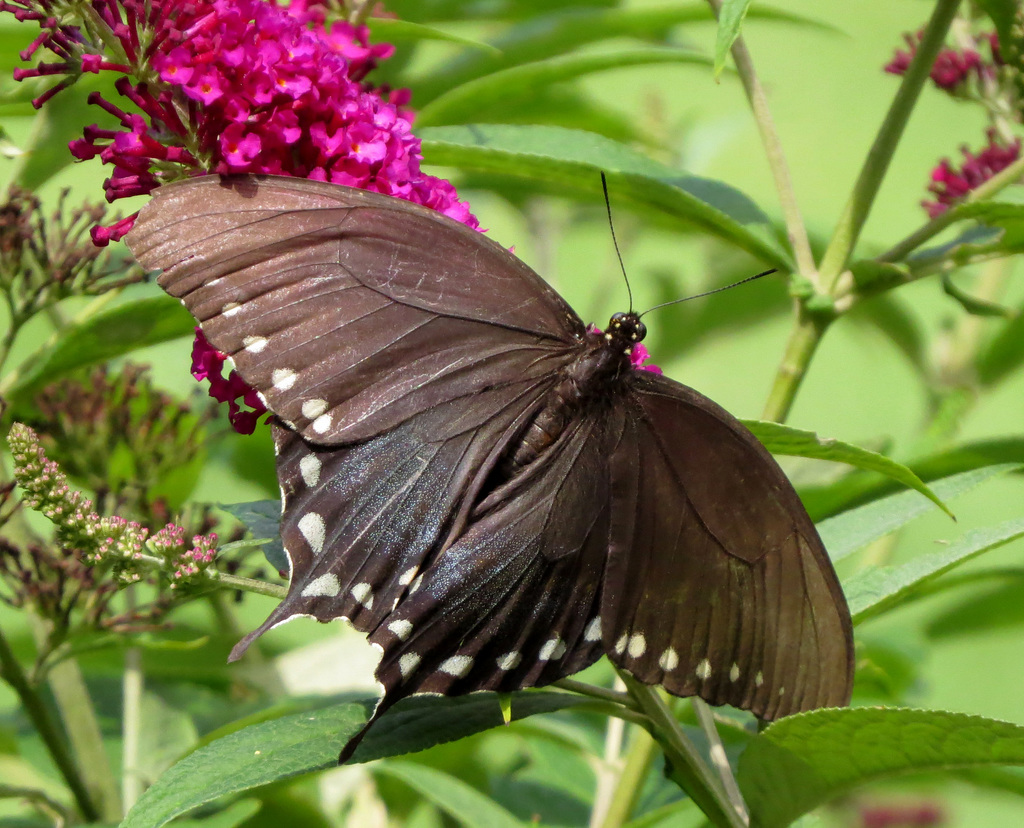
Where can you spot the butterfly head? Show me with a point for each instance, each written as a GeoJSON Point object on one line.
{"type": "Point", "coordinates": [625, 329]}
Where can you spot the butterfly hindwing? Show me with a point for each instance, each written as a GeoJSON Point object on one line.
{"type": "Point", "coordinates": [717, 583]}
{"type": "Point", "coordinates": [514, 601]}
{"type": "Point", "coordinates": [348, 311]}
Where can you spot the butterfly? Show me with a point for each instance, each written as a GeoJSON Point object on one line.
{"type": "Point", "coordinates": [480, 483]}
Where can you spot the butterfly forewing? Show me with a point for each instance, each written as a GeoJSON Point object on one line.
{"type": "Point", "coordinates": [362, 523]}
{"type": "Point", "coordinates": [348, 311]}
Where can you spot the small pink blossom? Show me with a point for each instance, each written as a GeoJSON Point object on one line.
{"type": "Point", "coordinates": [639, 355]}
{"type": "Point", "coordinates": [950, 185]}
{"type": "Point", "coordinates": [952, 68]}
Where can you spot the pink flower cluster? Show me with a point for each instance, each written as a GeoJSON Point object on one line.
{"type": "Point", "coordinates": [183, 564]}
{"type": "Point", "coordinates": [953, 68]}
{"type": "Point", "coordinates": [949, 184]}
{"type": "Point", "coordinates": [208, 364]}
{"type": "Point", "coordinates": [225, 86]}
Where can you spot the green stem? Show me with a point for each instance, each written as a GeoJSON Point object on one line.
{"type": "Point", "coordinates": [716, 751]}
{"type": "Point", "coordinates": [686, 767]}
{"type": "Point", "coordinates": [796, 230]}
{"type": "Point", "coordinates": [132, 684]}
{"type": "Point", "coordinates": [595, 692]}
{"type": "Point", "coordinates": [48, 730]}
{"type": "Point", "coordinates": [43, 801]}
{"type": "Point", "coordinates": [803, 342]}
{"type": "Point", "coordinates": [83, 729]}
{"type": "Point", "coordinates": [639, 757]}
{"type": "Point", "coordinates": [248, 584]}
{"type": "Point", "coordinates": [847, 232]}
{"type": "Point", "coordinates": [78, 715]}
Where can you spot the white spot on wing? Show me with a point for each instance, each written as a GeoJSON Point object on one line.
{"type": "Point", "coordinates": [458, 666]}
{"type": "Point", "coordinates": [254, 344]}
{"type": "Point", "coordinates": [637, 645]}
{"type": "Point", "coordinates": [408, 663]}
{"type": "Point", "coordinates": [311, 525]}
{"type": "Point", "coordinates": [311, 409]}
{"type": "Point", "coordinates": [416, 584]}
{"type": "Point", "coordinates": [734, 672]}
{"type": "Point", "coordinates": [509, 661]}
{"type": "Point", "coordinates": [593, 630]}
{"type": "Point", "coordinates": [704, 670]}
{"type": "Point", "coordinates": [326, 586]}
{"type": "Point", "coordinates": [283, 378]}
{"type": "Point", "coordinates": [759, 679]}
{"type": "Point", "coordinates": [554, 648]}
{"type": "Point", "coordinates": [363, 593]}
{"type": "Point", "coordinates": [309, 468]}
{"type": "Point", "coordinates": [401, 629]}
{"type": "Point", "coordinates": [406, 577]}
{"type": "Point", "coordinates": [669, 660]}
{"type": "Point", "coordinates": [231, 308]}
{"type": "Point", "coordinates": [620, 645]}
{"type": "Point", "coordinates": [322, 423]}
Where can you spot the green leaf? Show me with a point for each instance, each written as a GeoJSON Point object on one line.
{"type": "Point", "coordinates": [999, 608]}
{"type": "Point", "coordinates": [571, 161]}
{"type": "Point", "coordinates": [805, 760]}
{"type": "Point", "coordinates": [234, 814]}
{"type": "Point", "coordinates": [1003, 14]}
{"type": "Point", "coordinates": [874, 590]}
{"type": "Point", "coordinates": [464, 804]}
{"type": "Point", "coordinates": [263, 520]}
{"type": "Point", "coordinates": [1004, 353]}
{"type": "Point", "coordinates": [856, 528]}
{"type": "Point", "coordinates": [859, 488]}
{"type": "Point", "coordinates": [559, 32]}
{"type": "Point", "coordinates": [107, 334]}
{"type": "Point", "coordinates": [972, 304]}
{"type": "Point", "coordinates": [310, 741]}
{"type": "Point", "coordinates": [730, 17]}
{"type": "Point", "coordinates": [389, 30]}
{"type": "Point", "coordinates": [1000, 231]}
{"type": "Point", "coordinates": [783, 439]}
{"type": "Point", "coordinates": [502, 89]}
{"type": "Point", "coordinates": [890, 314]}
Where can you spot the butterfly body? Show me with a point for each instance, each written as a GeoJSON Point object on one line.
{"type": "Point", "coordinates": [488, 489]}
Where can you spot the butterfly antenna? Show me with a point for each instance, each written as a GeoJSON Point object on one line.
{"type": "Point", "coordinates": [709, 292]}
{"type": "Point", "coordinates": [611, 225]}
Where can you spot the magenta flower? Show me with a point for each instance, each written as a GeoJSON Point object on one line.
{"type": "Point", "coordinates": [952, 68]}
{"type": "Point", "coordinates": [227, 86]}
{"type": "Point", "coordinates": [639, 355]}
{"type": "Point", "coordinates": [950, 185]}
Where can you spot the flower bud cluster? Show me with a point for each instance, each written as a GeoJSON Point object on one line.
{"type": "Point", "coordinates": [185, 564]}
{"type": "Point", "coordinates": [84, 423]}
{"type": "Point", "coordinates": [983, 70]}
{"type": "Point", "coordinates": [122, 546]}
{"type": "Point", "coordinates": [46, 258]}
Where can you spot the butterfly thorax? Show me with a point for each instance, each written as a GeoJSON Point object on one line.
{"type": "Point", "coordinates": [595, 374]}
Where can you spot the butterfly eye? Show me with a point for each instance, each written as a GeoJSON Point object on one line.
{"type": "Point", "coordinates": [640, 331]}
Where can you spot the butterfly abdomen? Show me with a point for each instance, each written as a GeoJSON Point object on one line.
{"type": "Point", "coordinates": [591, 377]}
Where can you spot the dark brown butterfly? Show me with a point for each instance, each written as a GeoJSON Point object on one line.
{"type": "Point", "coordinates": [487, 489]}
